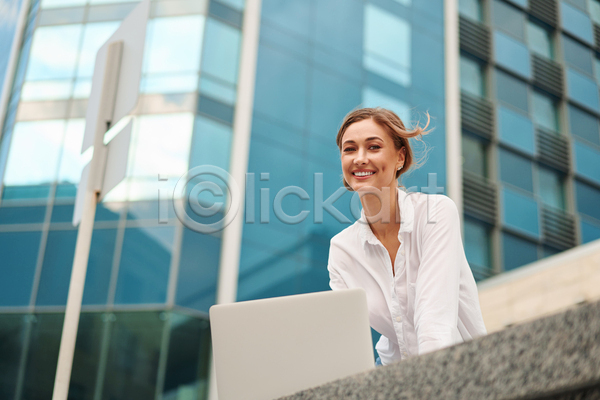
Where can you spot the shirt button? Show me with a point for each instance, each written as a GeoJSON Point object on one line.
{"type": "Point", "coordinates": [402, 252]}
{"type": "Point", "coordinates": [399, 319]}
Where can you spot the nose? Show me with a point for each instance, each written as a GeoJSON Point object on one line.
{"type": "Point", "coordinates": [361, 157]}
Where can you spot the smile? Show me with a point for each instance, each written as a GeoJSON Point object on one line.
{"type": "Point", "coordinates": [363, 173]}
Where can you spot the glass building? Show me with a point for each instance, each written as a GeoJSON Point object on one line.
{"type": "Point", "coordinates": [530, 155]}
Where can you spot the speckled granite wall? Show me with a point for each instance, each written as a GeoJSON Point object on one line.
{"type": "Point", "coordinates": [554, 358]}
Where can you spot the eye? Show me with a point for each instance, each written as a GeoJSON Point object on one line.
{"type": "Point", "coordinates": [348, 149]}
{"type": "Point", "coordinates": [374, 147]}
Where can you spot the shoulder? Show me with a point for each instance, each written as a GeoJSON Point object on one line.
{"type": "Point", "coordinates": [348, 235]}
{"type": "Point", "coordinates": [433, 208]}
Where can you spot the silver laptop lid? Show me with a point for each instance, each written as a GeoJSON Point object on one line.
{"type": "Point", "coordinates": [265, 349]}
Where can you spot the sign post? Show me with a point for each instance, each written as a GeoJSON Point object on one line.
{"type": "Point", "coordinates": [114, 94]}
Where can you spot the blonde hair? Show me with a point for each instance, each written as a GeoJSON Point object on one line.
{"type": "Point", "coordinates": [394, 126]}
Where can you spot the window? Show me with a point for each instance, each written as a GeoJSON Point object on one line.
{"type": "Point", "coordinates": [473, 155]}
{"type": "Point", "coordinates": [516, 170]}
{"type": "Point", "coordinates": [550, 188]}
{"type": "Point", "coordinates": [545, 112]}
{"type": "Point", "coordinates": [470, 9]}
{"type": "Point", "coordinates": [222, 51]}
{"type": "Point", "coordinates": [477, 248]}
{"type": "Point", "coordinates": [517, 251]}
{"type": "Point", "coordinates": [588, 198]}
{"type": "Point", "coordinates": [539, 40]}
{"type": "Point", "coordinates": [520, 212]}
{"type": "Point", "coordinates": [509, 19]}
{"type": "Point", "coordinates": [472, 77]}
{"type": "Point", "coordinates": [576, 22]}
{"type": "Point", "coordinates": [594, 10]}
{"type": "Point", "coordinates": [584, 125]}
{"type": "Point", "coordinates": [387, 49]}
{"type": "Point", "coordinates": [516, 130]}
{"type": "Point", "coordinates": [512, 54]}
{"type": "Point", "coordinates": [587, 161]}
{"type": "Point", "coordinates": [511, 90]}
{"type": "Point", "coordinates": [577, 55]}
{"type": "Point", "coordinates": [583, 90]}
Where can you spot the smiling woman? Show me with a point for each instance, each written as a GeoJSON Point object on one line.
{"type": "Point", "coordinates": [406, 250]}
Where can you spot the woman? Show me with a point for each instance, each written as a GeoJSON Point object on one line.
{"type": "Point", "coordinates": [406, 249]}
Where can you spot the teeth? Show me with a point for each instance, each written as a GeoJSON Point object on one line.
{"type": "Point", "coordinates": [363, 173]}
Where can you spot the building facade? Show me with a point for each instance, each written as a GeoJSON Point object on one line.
{"type": "Point", "coordinates": [529, 142]}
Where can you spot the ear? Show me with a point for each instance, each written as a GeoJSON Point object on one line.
{"type": "Point", "coordinates": [401, 157]}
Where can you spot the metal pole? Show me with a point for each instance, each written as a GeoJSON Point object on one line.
{"type": "Point", "coordinates": [93, 183]}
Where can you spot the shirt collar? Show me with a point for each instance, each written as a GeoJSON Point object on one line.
{"type": "Point", "coordinates": [407, 213]}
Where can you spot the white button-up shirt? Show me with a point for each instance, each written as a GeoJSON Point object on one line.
{"type": "Point", "coordinates": [431, 302]}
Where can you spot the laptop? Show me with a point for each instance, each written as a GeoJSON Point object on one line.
{"type": "Point", "coordinates": [266, 349]}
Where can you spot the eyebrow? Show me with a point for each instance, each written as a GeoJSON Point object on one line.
{"type": "Point", "coordinates": [366, 140]}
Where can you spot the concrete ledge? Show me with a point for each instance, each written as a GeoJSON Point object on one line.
{"type": "Point", "coordinates": [557, 357]}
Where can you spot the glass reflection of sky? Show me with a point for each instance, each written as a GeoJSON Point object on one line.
{"type": "Point", "coordinates": [54, 52]}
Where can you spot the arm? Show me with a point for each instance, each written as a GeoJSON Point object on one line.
{"type": "Point", "coordinates": [437, 284]}
{"type": "Point", "coordinates": [336, 282]}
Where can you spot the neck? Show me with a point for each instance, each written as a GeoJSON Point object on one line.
{"type": "Point", "coordinates": [381, 210]}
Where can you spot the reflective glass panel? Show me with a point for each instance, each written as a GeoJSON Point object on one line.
{"type": "Point", "coordinates": [512, 54]}
{"type": "Point", "coordinates": [62, 3]}
{"type": "Point", "coordinates": [520, 212]}
{"type": "Point", "coordinates": [187, 369]}
{"type": "Point", "coordinates": [56, 269]}
{"type": "Point", "coordinates": [71, 161]}
{"type": "Point", "coordinates": [211, 143]}
{"type": "Point", "coordinates": [386, 44]}
{"type": "Point", "coordinates": [221, 51]}
{"type": "Point", "coordinates": [517, 252]}
{"type": "Point", "coordinates": [588, 198]}
{"type": "Point", "coordinates": [577, 55]}
{"type": "Point", "coordinates": [473, 154]}
{"type": "Point", "coordinates": [516, 130]}
{"type": "Point", "coordinates": [471, 77]}
{"type": "Point", "coordinates": [180, 83]}
{"type": "Point", "coordinates": [339, 28]}
{"type": "Point", "coordinates": [54, 52]}
{"type": "Point", "coordinates": [510, 19]}
{"type": "Point", "coordinates": [94, 36]}
{"type": "Point", "coordinates": [590, 231]}
{"type": "Point", "coordinates": [470, 9]}
{"type": "Point", "coordinates": [515, 170]}
{"type": "Point", "coordinates": [44, 343]}
{"type": "Point", "coordinates": [550, 187]}
{"type": "Point", "coordinates": [594, 10]}
{"type": "Point", "coordinates": [154, 153]}
{"type": "Point", "coordinates": [86, 358]}
{"type": "Point", "coordinates": [545, 112]}
{"type": "Point", "coordinates": [576, 22]}
{"type": "Point", "coordinates": [22, 215]}
{"type": "Point", "coordinates": [174, 44]}
{"type": "Point", "coordinates": [19, 257]}
{"type": "Point", "coordinates": [12, 333]}
{"type": "Point", "coordinates": [477, 248]}
{"type": "Point", "coordinates": [587, 161]}
{"type": "Point", "coordinates": [221, 91]}
{"type": "Point", "coordinates": [144, 267]}
{"type": "Point", "coordinates": [583, 90]}
{"type": "Point", "coordinates": [539, 40]}
{"type": "Point", "coordinates": [34, 152]}
{"type": "Point", "coordinates": [133, 355]}
{"type": "Point", "coordinates": [99, 269]}
{"type": "Point", "coordinates": [47, 90]}
{"type": "Point", "coordinates": [198, 270]}
{"type": "Point", "coordinates": [584, 125]}
{"type": "Point", "coordinates": [375, 98]}
{"type": "Point", "coordinates": [511, 90]}
{"type": "Point", "coordinates": [283, 83]}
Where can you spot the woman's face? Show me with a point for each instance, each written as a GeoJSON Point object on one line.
{"type": "Point", "coordinates": [369, 158]}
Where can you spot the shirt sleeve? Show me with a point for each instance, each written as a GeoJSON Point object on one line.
{"type": "Point", "coordinates": [336, 282]}
{"type": "Point", "coordinates": [438, 278]}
